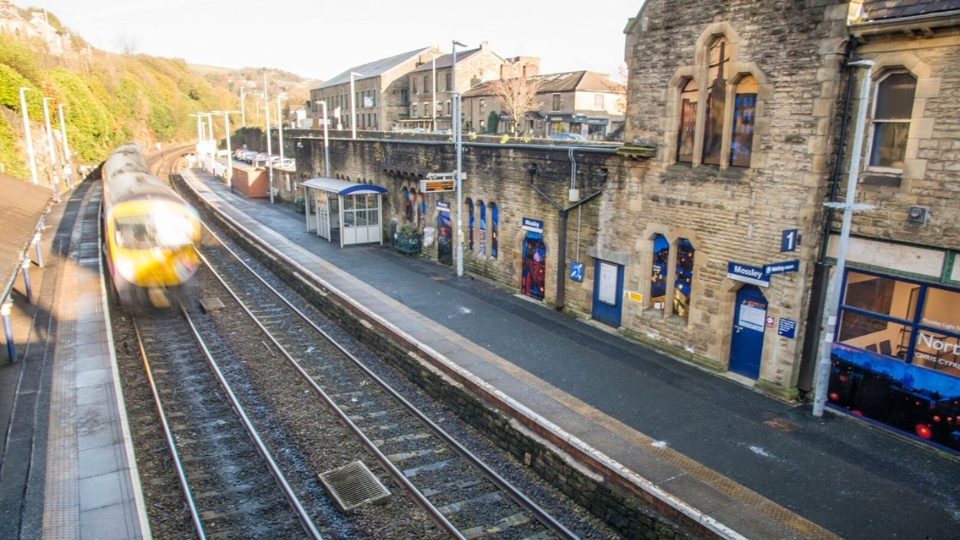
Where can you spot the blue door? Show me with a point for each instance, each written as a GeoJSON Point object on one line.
{"type": "Point", "coordinates": [608, 293]}
{"type": "Point", "coordinates": [746, 348]}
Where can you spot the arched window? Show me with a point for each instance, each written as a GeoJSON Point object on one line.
{"type": "Point", "coordinates": [683, 279]}
{"type": "Point", "coordinates": [423, 210]}
{"type": "Point", "coordinates": [407, 205]}
{"type": "Point", "coordinates": [658, 276]}
{"type": "Point", "coordinates": [744, 112]}
{"type": "Point", "coordinates": [482, 210]}
{"type": "Point", "coordinates": [414, 198]}
{"type": "Point", "coordinates": [688, 121]}
{"type": "Point", "coordinates": [470, 217]}
{"type": "Point", "coordinates": [717, 67]}
{"type": "Point", "coordinates": [892, 110]}
{"type": "Point", "coordinates": [495, 228]}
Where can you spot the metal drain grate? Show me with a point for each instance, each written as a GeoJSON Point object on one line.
{"type": "Point", "coordinates": [353, 485]}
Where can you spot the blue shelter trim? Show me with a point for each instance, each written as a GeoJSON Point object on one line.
{"type": "Point", "coordinates": [343, 187]}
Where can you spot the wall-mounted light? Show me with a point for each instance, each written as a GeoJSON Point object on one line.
{"type": "Point", "coordinates": [603, 174]}
{"type": "Point", "coordinates": [532, 170]}
{"type": "Point", "coordinates": [299, 144]}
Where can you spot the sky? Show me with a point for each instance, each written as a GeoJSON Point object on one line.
{"type": "Point", "coordinates": [318, 39]}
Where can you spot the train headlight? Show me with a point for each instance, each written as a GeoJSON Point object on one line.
{"type": "Point", "coordinates": [127, 269]}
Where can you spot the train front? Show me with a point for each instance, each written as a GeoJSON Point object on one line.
{"type": "Point", "coordinates": [153, 253]}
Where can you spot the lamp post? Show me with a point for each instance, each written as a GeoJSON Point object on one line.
{"type": "Point", "coordinates": [280, 128]}
{"type": "Point", "coordinates": [433, 94]}
{"type": "Point", "coordinates": [243, 114]}
{"type": "Point", "coordinates": [66, 147]}
{"type": "Point", "coordinates": [326, 141]}
{"type": "Point", "coordinates": [266, 108]}
{"type": "Point", "coordinates": [55, 176]}
{"type": "Point", "coordinates": [228, 176]}
{"type": "Point", "coordinates": [353, 105]}
{"type": "Point", "coordinates": [26, 128]}
{"type": "Point", "coordinates": [823, 362]}
{"type": "Point", "coordinates": [459, 146]}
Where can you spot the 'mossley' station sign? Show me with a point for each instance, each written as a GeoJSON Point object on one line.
{"type": "Point", "coordinates": [748, 274]}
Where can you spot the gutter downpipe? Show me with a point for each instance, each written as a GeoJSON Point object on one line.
{"type": "Point", "coordinates": [818, 294]}
{"type": "Point", "coordinates": [562, 233]}
{"type": "Point", "coordinates": [823, 362]}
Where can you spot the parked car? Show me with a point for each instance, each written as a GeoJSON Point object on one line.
{"type": "Point", "coordinates": [567, 137]}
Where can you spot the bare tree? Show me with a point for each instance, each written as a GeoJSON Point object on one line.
{"type": "Point", "coordinates": [517, 96]}
{"type": "Point", "coordinates": [127, 44]}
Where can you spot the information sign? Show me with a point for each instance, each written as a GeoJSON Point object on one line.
{"type": "Point", "coordinates": [576, 271]}
{"type": "Point", "coordinates": [788, 328]}
{"type": "Point", "coordinates": [438, 185]}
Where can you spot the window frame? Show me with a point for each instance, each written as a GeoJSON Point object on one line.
{"type": "Point", "coordinates": [872, 133]}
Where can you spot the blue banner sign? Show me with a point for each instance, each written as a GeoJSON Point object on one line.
{"type": "Point", "coordinates": [535, 225]}
{"type": "Point", "coordinates": [747, 274]}
{"type": "Point", "coordinates": [789, 240]}
{"type": "Point", "coordinates": [576, 271]}
{"type": "Point", "coordinates": [443, 206]}
{"type": "Point", "coordinates": [781, 267]}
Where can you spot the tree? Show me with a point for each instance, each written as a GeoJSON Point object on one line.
{"type": "Point", "coordinates": [127, 44]}
{"type": "Point", "coordinates": [517, 96]}
{"type": "Point", "coordinates": [492, 122]}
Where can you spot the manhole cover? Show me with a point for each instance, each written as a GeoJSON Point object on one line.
{"type": "Point", "coordinates": [353, 485]}
{"type": "Point", "coordinates": [780, 424]}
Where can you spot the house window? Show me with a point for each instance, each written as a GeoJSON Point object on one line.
{"type": "Point", "coordinates": [483, 104]}
{"type": "Point", "coordinates": [688, 121]}
{"type": "Point", "coordinates": [893, 108]}
{"type": "Point", "coordinates": [557, 102]}
{"type": "Point", "coordinates": [413, 85]}
{"type": "Point", "coordinates": [449, 110]}
{"type": "Point", "coordinates": [744, 112]}
{"type": "Point", "coordinates": [426, 107]}
{"type": "Point", "coordinates": [494, 229]}
{"type": "Point", "coordinates": [414, 111]}
{"type": "Point", "coordinates": [598, 102]}
{"type": "Point", "coordinates": [448, 81]}
{"type": "Point", "coordinates": [426, 83]}
{"type": "Point", "coordinates": [404, 97]}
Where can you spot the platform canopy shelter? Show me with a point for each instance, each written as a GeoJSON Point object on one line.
{"type": "Point", "coordinates": [337, 206]}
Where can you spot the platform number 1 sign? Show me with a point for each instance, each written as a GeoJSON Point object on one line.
{"type": "Point", "coordinates": [790, 240]}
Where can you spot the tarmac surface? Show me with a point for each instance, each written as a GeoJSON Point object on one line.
{"type": "Point", "coordinates": [747, 464]}
{"type": "Point", "coordinates": [707, 439]}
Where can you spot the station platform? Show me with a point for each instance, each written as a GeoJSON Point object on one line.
{"type": "Point", "coordinates": [744, 464]}
{"type": "Point", "coordinates": [67, 467]}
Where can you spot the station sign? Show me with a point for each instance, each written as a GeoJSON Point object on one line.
{"type": "Point", "coordinates": [443, 206]}
{"type": "Point", "coordinates": [533, 225]}
{"type": "Point", "coordinates": [781, 267]}
{"type": "Point", "coordinates": [747, 274]}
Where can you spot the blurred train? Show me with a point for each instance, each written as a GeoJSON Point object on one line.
{"type": "Point", "coordinates": [150, 233]}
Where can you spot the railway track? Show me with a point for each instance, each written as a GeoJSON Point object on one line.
{"type": "Point", "coordinates": [231, 484]}
{"type": "Point", "coordinates": [465, 497]}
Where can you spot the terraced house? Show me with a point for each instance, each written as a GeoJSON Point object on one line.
{"type": "Point", "coordinates": [751, 113]}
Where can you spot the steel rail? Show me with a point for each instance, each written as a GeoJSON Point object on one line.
{"type": "Point", "coordinates": [168, 435]}
{"type": "Point", "coordinates": [305, 519]}
{"type": "Point", "coordinates": [515, 494]}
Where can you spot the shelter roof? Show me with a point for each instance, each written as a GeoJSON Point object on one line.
{"type": "Point", "coordinates": [342, 187]}
{"type": "Point", "coordinates": [877, 10]}
{"type": "Point", "coordinates": [21, 209]}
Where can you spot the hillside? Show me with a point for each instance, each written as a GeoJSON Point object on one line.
{"type": "Point", "coordinates": [109, 99]}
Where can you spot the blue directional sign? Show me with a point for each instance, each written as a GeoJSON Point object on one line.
{"type": "Point", "coordinates": [576, 271]}
{"type": "Point", "coordinates": [781, 267]}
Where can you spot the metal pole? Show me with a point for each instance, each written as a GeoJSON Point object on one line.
{"type": "Point", "coordinates": [326, 141]}
{"type": "Point", "coordinates": [36, 241]}
{"type": "Point", "coordinates": [433, 96]}
{"type": "Point", "coordinates": [8, 329]}
{"type": "Point", "coordinates": [26, 128]}
{"type": "Point", "coordinates": [280, 127]}
{"type": "Point", "coordinates": [353, 105]}
{"type": "Point", "coordinates": [243, 113]}
{"type": "Point", "coordinates": [53, 154]}
{"type": "Point", "coordinates": [823, 363]}
{"type": "Point", "coordinates": [25, 267]}
{"type": "Point", "coordinates": [459, 146]}
{"type": "Point", "coordinates": [66, 147]}
{"type": "Point", "coordinates": [266, 101]}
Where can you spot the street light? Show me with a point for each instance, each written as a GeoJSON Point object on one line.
{"type": "Point", "coordinates": [228, 176]}
{"type": "Point", "coordinates": [26, 128]}
{"type": "Point", "coordinates": [353, 104]}
{"type": "Point", "coordinates": [266, 107]}
{"type": "Point", "coordinates": [433, 94]}
{"type": "Point", "coordinates": [458, 139]}
{"type": "Point", "coordinates": [280, 128]}
{"type": "Point", "coordinates": [823, 362]}
{"type": "Point", "coordinates": [53, 156]}
{"type": "Point", "coordinates": [66, 147]}
{"type": "Point", "coordinates": [326, 141]}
